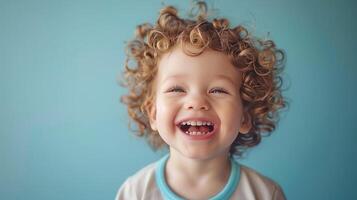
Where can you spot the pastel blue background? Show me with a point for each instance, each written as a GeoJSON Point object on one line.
{"type": "Point", "coordinates": [63, 131]}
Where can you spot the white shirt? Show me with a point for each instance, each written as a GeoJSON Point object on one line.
{"type": "Point", "coordinates": [252, 185]}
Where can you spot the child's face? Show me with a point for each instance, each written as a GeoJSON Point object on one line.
{"type": "Point", "coordinates": [202, 88]}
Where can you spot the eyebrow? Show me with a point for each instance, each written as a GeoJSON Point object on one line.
{"type": "Point", "coordinates": [220, 76]}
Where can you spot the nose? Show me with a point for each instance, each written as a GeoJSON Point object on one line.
{"type": "Point", "coordinates": [197, 102]}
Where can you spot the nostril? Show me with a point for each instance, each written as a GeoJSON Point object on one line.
{"type": "Point", "coordinates": [201, 108]}
{"type": "Point", "coordinates": [204, 107]}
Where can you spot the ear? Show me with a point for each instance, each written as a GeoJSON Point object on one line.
{"type": "Point", "coordinates": [246, 123]}
{"type": "Point", "coordinates": [152, 117]}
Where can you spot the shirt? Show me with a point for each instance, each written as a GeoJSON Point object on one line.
{"type": "Point", "coordinates": [147, 184]}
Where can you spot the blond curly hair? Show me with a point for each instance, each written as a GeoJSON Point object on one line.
{"type": "Point", "coordinates": [259, 61]}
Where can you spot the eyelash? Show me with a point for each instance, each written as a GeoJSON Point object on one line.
{"type": "Point", "coordinates": [175, 88]}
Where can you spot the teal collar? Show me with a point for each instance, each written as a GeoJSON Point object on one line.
{"type": "Point", "coordinates": [166, 192]}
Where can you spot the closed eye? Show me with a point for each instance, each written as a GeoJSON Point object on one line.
{"type": "Point", "coordinates": [218, 90]}
{"type": "Point", "coordinates": [214, 90]}
{"type": "Point", "coordinates": [175, 89]}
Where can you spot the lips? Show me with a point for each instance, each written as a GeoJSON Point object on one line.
{"type": "Point", "coordinates": [205, 128]}
{"type": "Point", "coordinates": [202, 119]}
{"type": "Point", "coordinates": [196, 129]}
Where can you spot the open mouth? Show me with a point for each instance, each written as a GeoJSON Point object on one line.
{"type": "Point", "coordinates": [196, 128]}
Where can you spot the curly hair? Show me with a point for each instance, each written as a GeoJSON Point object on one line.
{"type": "Point", "coordinates": [259, 61]}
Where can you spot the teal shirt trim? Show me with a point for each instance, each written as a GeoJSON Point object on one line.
{"type": "Point", "coordinates": [225, 194]}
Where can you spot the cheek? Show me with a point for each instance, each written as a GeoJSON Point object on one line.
{"type": "Point", "coordinates": [231, 116]}
{"type": "Point", "coordinates": [165, 113]}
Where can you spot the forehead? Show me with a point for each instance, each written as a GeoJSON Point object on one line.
{"type": "Point", "coordinates": [210, 64]}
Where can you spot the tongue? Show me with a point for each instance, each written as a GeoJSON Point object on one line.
{"type": "Point", "coordinates": [198, 129]}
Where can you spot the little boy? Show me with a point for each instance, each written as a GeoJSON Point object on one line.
{"type": "Point", "coordinates": [207, 92]}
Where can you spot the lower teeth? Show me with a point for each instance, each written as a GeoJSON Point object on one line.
{"type": "Point", "coordinates": [196, 133]}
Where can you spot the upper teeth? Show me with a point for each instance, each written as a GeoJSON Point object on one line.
{"type": "Point", "coordinates": [196, 123]}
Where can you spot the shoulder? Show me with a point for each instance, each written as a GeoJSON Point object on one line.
{"type": "Point", "coordinates": [141, 184]}
{"type": "Point", "coordinates": [259, 186]}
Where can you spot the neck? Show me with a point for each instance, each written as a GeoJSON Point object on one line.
{"type": "Point", "coordinates": [197, 168]}
{"type": "Point", "coordinates": [198, 172]}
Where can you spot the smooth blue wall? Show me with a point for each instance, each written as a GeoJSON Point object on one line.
{"type": "Point", "coordinates": [63, 132]}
